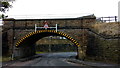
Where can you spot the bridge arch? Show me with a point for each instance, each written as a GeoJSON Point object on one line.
{"type": "Point", "coordinates": [26, 44]}
{"type": "Point", "coordinates": [35, 36]}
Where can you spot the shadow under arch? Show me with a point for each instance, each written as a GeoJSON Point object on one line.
{"type": "Point", "coordinates": [26, 44]}
{"type": "Point", "coordinates": [32, 37]}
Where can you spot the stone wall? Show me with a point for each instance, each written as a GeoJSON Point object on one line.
{"type": "Point", "coordinates": [17, 29]}
{"type": "Point", "coordinates": [101, 49]}
{"type": "Point", "coordinates": [92, 46]}
{"type": "Point", "coordinates": [27, 23]}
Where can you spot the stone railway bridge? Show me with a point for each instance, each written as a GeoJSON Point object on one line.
{"type": "Point", "coordinates": [21, 35]}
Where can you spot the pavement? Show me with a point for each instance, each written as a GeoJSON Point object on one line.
{"type": "Point", "coordinates": [91, 63]}
{"type": "Point", "coordinates": [58, 59]}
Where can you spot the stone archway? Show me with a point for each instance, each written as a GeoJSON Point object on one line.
{"type": "Point", "coordinates": [26, 44]}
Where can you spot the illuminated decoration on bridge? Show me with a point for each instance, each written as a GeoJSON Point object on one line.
{"type": "Point", "coordinates": [49, 31]}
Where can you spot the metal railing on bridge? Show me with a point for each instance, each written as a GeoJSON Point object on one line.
{"type": "Point", "coordinates": [107, 19]}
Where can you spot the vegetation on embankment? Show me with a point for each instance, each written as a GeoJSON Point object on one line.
{"type": "Point", "coordinates": [107, 29]}
{"type": "Point", "coordinates": [55, 48]}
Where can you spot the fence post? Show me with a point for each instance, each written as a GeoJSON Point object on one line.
{"type": "Point", "coordinates": [102, 19]}
{"type": "Point", "coordinates": [56, 27]}
{"type": "Point", "coordinates": [109, 19]}
{"type": "Point", "coordinates": [35, 27]}
{"type": "Point", "coordinates": [115, 18]}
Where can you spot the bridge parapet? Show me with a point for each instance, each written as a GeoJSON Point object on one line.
{"type": "Point", "coordinates": [29, 23]}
